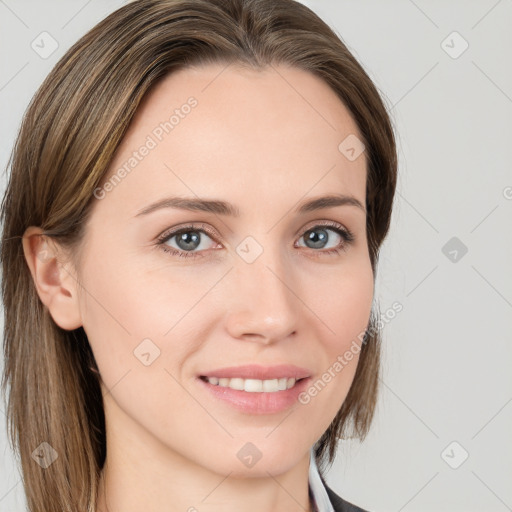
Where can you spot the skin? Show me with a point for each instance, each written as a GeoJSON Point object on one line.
{"type": "Point", "coordinates": [264, 146]}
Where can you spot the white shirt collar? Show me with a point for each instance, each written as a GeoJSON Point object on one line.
{"type": "Point", "coordinates": [316, 486]}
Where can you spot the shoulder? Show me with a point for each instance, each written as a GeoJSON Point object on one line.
{"type": "Point", "coordinates": [339, 504]}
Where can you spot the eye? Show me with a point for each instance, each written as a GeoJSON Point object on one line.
{"type": "Point", "coordinates": [192, 240]}
{"type": "Point", "coordinates": [318, 237]}
{"type": "Point", "coordinates": [188, 239]}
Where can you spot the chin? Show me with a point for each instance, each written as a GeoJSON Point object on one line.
{"type": "Point", "coordinates": [248, 460]}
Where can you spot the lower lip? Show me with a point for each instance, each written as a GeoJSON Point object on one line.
{"type": "Point", "coordinates": [258, 403]}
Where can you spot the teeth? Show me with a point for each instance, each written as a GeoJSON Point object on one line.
{"type": "Point", "coordinates": [253, 385]}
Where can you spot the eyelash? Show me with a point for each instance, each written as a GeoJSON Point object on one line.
{"type": "Point", "coordinates": [345, 234]}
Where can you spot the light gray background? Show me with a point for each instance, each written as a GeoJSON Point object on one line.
{"type": "Point", "coordinates": [446, 361]}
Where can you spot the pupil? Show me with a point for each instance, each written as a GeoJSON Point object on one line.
{"type": "Point", "coordinates": [318, 240]}
{"type": "Point", "coordinates": [186, 241]}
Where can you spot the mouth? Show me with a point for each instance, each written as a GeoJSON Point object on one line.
{"type": "Point", "coordinates": [269, 394]}
{"type": "Point", "coordinates": [253, 385]}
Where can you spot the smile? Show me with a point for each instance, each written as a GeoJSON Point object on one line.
{"type": "Point", "coordinates": [253, 385]}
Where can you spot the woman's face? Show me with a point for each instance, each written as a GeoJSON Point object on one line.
{"type": "Point", "coordinates": [264, 287]}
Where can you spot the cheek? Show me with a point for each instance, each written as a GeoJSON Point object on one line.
{"type": "Point", "coordinates": [118, 311]}
{"type": "Point", "coordinates": [135, 322]}
{"type": "Point", "coordinates": [134, 314]}
{"type": "Point", "coordinates": [345, 310]}
{"type": "Point", "coordinates": [345, 304]}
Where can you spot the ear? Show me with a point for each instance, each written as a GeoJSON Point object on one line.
{"type": "Point", "coordinates": [55, 281]}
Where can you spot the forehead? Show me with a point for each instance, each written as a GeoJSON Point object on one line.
{"type": "Point", "coordinates": [219, 131]}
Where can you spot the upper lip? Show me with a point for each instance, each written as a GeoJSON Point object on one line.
{"type": "Point", "coordinates": [252, 371]}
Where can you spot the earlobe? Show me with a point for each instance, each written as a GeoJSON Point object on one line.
{"type": "Point", "coordinates": [55, 283]}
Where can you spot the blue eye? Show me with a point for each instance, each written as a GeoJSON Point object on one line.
{"type": "Point", "coordinates": [189, 240]}
{"type": "Point", "coordinates": [319, 236]}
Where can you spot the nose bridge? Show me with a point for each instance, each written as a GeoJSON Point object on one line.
{"type": "Point", "coordinates": [263, 302]}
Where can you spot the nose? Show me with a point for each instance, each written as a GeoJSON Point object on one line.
{"type": "Point", "coordinates": [264, 306]}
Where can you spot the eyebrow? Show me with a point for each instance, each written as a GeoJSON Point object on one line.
{"type": "Point", "coordinates": [218, 207]}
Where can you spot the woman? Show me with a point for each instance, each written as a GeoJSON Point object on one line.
{"type": "Point", "coordinates": [198, 194]}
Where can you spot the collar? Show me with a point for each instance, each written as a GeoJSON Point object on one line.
{"type": "Point", "coordinates": [317, 491]}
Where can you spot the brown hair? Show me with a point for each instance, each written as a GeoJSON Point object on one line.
{"type": "Point", "coordinates": [67, 139]}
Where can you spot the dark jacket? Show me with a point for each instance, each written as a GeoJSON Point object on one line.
{"type": "Point", "coordinates": [338, 503]}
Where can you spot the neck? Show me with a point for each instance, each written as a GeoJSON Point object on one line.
{"type": "Point", "coordinates": [196, 491]}
{"type": "Point", "coordinates": [141, 473]}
